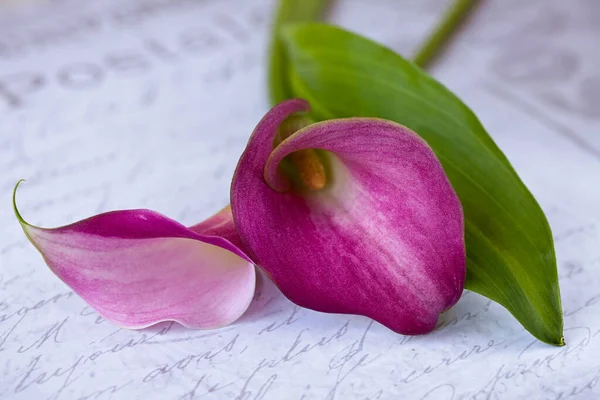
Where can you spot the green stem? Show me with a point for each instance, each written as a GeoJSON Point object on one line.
{"type": "Point", "coordinates": [440, 36]}
{"type": "Point", "coordinates": [288, 11]}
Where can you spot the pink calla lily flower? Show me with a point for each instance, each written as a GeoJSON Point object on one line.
{"type": "Point", "coordinates": [137, 268]}
{"type": "Point", "coordinates": [384, 238]}
{"type": "Point", "coordinates": [368, 225]}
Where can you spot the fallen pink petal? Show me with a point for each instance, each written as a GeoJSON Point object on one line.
{"type": "Point", "coordinates": [383, 234]}
{"type": "Point", "coordinates": [137, 267]}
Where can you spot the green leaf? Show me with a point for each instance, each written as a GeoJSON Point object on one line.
{"type": "Point", "coordinates": [510, 251]}
{"type": "Point", "coordinates": [288, 11]}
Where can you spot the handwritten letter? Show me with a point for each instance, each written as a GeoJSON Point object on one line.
{"type": "Point", "coordinates": [148, 103]}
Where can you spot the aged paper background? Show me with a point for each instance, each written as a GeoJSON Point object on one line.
{"type": "Point", "coordinates": [127, 104]}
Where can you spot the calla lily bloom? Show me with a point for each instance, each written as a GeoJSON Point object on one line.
{"type": "Point", "coordinates": [137, 268]}
{"type": "Point", "coordinates": [381, 236]}
{"type": "Point", "coordinates": [350, 216]}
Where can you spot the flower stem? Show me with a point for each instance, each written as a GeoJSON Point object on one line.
{"type": "Point", "coordinates": [288, 11]}
{"type": "Point", "coordinates": [442, 33]}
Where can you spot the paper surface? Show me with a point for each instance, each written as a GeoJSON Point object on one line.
{"type": "Point", "coordinates": [147, 104]}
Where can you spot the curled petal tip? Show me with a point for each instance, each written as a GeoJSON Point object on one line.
{"type": "Point", "coordinates": [271, 122]}
{"type": "Point", "coordinates": [14, 202]}
{"type": "Point", "coordinates": [138, 268]}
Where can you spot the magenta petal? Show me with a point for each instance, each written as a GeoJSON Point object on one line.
{"type": "Point", "coordinates": [385, 239]}
{"type": "Point", "coordinates": [137, 268]}
{"type": "Point", "coordinates": [221, 225]}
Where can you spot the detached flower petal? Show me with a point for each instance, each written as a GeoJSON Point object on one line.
{"type": "Point", "coordinates": [384, 238]}
{"type": "Point", "coordinates": [137, 268]}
